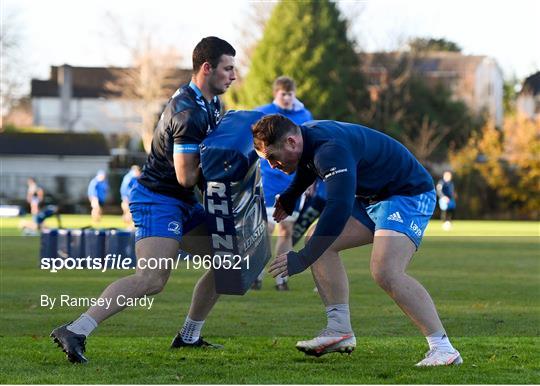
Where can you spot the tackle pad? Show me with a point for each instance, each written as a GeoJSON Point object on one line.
{"type": "Point", "coordinates": [234, 202]}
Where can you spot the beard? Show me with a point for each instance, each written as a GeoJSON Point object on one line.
{"type": "Point", "coordinates": [216, 89]}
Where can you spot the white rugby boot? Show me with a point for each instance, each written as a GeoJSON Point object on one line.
{"type": "Point", "coordinates": [327, 342]}
{"type": "Point", "coordinates": [440, 358]}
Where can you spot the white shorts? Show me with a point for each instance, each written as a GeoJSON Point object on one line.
{"type": "Point", "coordinates": [270, 211]}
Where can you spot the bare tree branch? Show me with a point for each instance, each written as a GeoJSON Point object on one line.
{"type": "Point", "coordinates": [426, 140]}
{"type": "Point", "coordinates": [11, 61]}
{"type": "Point", "coordinates": [147, 83]}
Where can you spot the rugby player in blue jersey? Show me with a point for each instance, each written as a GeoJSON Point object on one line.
{"type": "Point", "coordinates": [163, 202]}
{"type": "Point", "coordinates": [98, 188]}
{"type": "Point", "coordinates": [275, 181]}
{"type": "Point", "coordinates": [447, 199]}
{"type": "Point", "coordinates": [377, 193]}
{"type": "Point", "coordinates": [127, 181]}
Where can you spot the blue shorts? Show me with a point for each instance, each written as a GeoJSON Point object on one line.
{"type": "Point", "coordinates": [447, 205]}
{"type": "Point", "coordinates": [43, 215]}
{"type": "Point", "coordinates": [409, 215]}
{"type": "Point", "coordinates": [157, 215]}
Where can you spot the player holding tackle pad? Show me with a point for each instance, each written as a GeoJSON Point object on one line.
{"type": "Point", "coordinates": [163, 204]}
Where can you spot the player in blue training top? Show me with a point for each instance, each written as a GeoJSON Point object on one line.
{"type": "Point", "coordinates": [275, 181]}
{"type": "Point", "coordinates": [447, 199]}
{"type": "Point", "coordinates": [98, 188]}
{"type": "Point", "coordinates": [164, 206]}
{"type": "Point", "coordinates": [127, 182]}
{"type": "Point", "coordinates": [377, 193]}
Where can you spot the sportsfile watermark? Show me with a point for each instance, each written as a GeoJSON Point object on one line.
{"type": "Point", "coordinates": [113, 261]}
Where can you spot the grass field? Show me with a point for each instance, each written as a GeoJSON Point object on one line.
{"type": "Point", "coordinates": [483, 276]}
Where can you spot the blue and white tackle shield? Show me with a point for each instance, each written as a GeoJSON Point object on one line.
{"type": "Point", "coordinates": [234, 202]}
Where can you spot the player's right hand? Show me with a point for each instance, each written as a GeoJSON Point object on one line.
{"type": "Point", "coordinates": [279, 212]}
{"type": "Point", "coordinates": [284, 205]}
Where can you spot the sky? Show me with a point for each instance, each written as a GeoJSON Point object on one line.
{"type": "Point", "coordinates": [80, 33]}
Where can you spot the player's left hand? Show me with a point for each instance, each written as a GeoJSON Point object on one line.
{"type": "Point", "coordinates": [279, 266]}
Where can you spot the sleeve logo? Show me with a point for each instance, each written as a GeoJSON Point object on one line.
{"type": "Point", "coordinates": [185, 148]}
{"type": "Point", "coordinates": [334, 171]}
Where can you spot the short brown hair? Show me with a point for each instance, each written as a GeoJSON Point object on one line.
{"type": "Point", "coordinates": [210, 50]}
{"type": "Point", "coordinates": [284, 83]}
{"type": "Point", "coordinates": [271, 129]}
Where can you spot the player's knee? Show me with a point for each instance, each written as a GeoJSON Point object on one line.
{"type": "Point", "coordinates": [156, 286]}
{"type": "Point", "coordinates": [152, 283]}
{"type": "Point", "coordinates": [385, 277]}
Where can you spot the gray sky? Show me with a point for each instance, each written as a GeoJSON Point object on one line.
{"type": "Point", "coordinates": [54, 32]}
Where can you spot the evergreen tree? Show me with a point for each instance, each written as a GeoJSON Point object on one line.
{"type": "Point", "coordinates": [307, 40]}
{"type": "Point", "coordinates": [432, 44]}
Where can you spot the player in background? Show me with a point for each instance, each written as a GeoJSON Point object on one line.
{"type": "Point", "coordinates": [34, 227]}
{"type": "Point", "coordinates": [98, 188]}
{"type": "Point", "coordinates": [165, 210]}
{"type": "Point", "coordinates": [274, 181]}
{"type": "Point", "coordinates": [377, 193]}
{"type": "Point", "coordinates": [34, 195]}
{"type": "Point", "coordinates": [127, 182]}
{"type": "Point", "coordinates": [447, 199]}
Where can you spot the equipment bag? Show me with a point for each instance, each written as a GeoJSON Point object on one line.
{"type": "Point", "coordinates": [118, 244]}
{"type": "Point", "coordinates": [120, 248]}
{"type": "Point", "coordinates": [48, 244]}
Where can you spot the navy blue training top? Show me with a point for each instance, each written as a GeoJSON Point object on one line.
{"type": "Point", "coordinates": [447, 189]}
{"type": "Point", "coordinates": [184, 123]}
{"type": "Point", "coordinates": [352, 160]}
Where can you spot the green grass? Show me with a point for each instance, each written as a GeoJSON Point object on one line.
{"type": "Point", "coordinates": [487, 290]}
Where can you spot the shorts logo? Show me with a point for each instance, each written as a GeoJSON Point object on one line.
{"type": "Point", "coordinates": [175, 227]}
{"type": "Point", "coordinates": [416, 229]}
{"type": "Point", "coordinates": [395, 217]}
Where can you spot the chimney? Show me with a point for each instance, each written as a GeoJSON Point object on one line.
{"type": "Point", "coordinates": [65, 88]}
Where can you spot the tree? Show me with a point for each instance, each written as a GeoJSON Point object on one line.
{"type": "Point", "coordinates": [423, 116]}
{"type": "Point", "coordinates": [431, 44]}
{"type": "Point", "coordinates": [306, 40]}
{"type": "Point", "coordinates": [507, 162]}
{"type": "Point", "coordinates": [510, 94]}
{"type": "Point", "coordinates": [146, 86]}
{"type": "Point", "coordinates": [12, 61]}
{"type": "Point", "coordinates": [251, 29]}
{"type": "Point", "coordinates": [147, 83]}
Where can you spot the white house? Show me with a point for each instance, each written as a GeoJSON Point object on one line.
{"type": "Point", "coordinates": [81, 99]}
{"type": "Point", "coordinates": [62, 163]}
{"type": "Point", "coordinates": [476, 80]}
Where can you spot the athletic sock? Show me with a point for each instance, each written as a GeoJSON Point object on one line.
{"type": "Point", "coordinates": [191, 331]}
{"type": "Point", "coordinates": [83, 326]}
{"type": "Point", "coordinates": [339, 318]}
{"type": "Point", "coordinates": [439, 341]}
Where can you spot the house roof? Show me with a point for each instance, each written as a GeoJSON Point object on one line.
{"type": "Point", "coordinates": [67, 144]}
{"type": "Point", "coordinates": [531, 84]}
{"type": "Point", "coordinates": [431, 62]}
{"type": "Point", "coordinates": [92, 82]}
